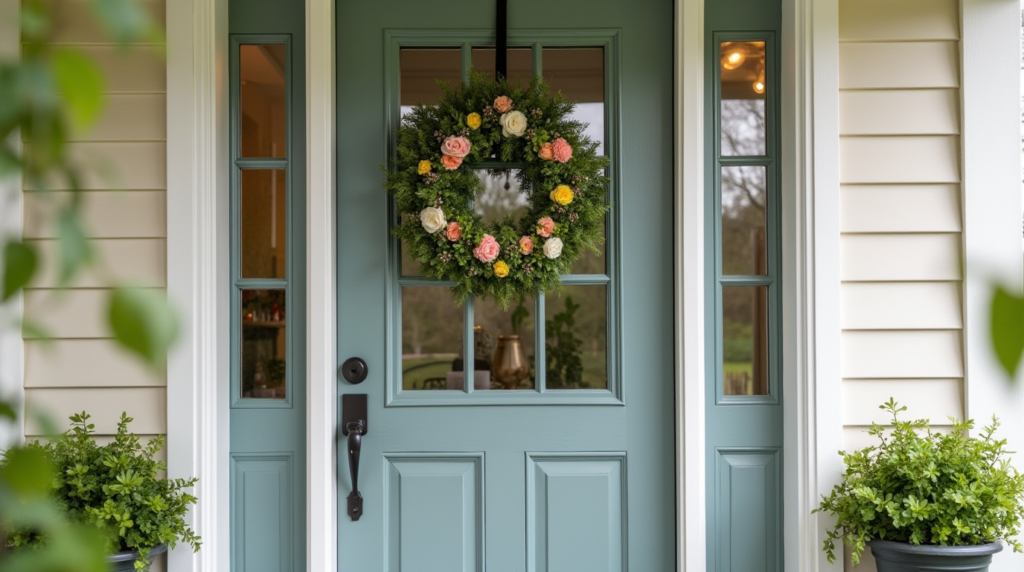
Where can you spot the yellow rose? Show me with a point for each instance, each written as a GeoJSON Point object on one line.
{"type": "Point", "coordinates": [562, 195]}
{"type": "Point", "coordinates": [500, 269]}
{"type": "Point", "coordinates": [424, 167]}
{"type": "Point", "coordinates": [473, 120]}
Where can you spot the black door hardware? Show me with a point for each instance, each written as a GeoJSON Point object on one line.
{"type": "Point", "coordinates": [354, 370]}
{"type": "Point", "coordinates": [354, 425]}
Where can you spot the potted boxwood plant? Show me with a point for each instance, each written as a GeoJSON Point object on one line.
{"type": "Point", "coordinates": [120, 488]}
{"type": "Point", "coordinates": [925, 500]}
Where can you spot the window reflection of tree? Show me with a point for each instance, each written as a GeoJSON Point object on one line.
{"type": "Point", "coordinates": [500, 195]}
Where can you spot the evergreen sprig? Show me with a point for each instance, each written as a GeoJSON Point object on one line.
{"type": "Point", "coordinates": [578, 224]}
{"type": "Point", "coordinates": [923, 487]}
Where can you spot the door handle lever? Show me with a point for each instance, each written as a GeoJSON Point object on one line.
{"type": "Point", "coordinates": [355, 430]}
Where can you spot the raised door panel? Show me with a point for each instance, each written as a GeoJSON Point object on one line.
{"type": "Point", "coordinates": [749, 508]}
{"type": "Point", "coordinates": [263, 534]}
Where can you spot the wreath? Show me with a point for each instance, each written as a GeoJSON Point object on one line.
{"type": "Point", "coordinates": [434, 185]}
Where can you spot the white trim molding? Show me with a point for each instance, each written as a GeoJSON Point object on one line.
{"type": "Point", "coordinates": [197, 266]}
{"type": "Point", "coordinates": [321, 305]}
{"type": "Point", "coordinates": [992, 206]}
{"type": "Point", "coordinates": [12, 346]}
{"type": "Point", "coordinates": [812, 385]}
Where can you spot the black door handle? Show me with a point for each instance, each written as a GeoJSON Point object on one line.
{"type": "Point", "coordinates": [355, 432]}
{"type": "Point", "coordinates": [354, 424]}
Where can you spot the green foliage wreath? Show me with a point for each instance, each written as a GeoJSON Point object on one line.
{"type": "Point", "coordinates": [434, 185]}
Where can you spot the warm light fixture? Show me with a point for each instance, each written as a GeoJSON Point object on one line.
{"type": "Point", "coordinates": [759, 84]}
{"type": "Point", "coordinates": [733, 59]}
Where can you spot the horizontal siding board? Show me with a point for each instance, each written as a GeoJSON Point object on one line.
{"type": "Point", "coordinates": [147, 405]}
{"type": "Point", "coordinates": [118, 166]}
{"type": "Point", "coordinates": [934, 399]}
{"type": "Point", "coordinates": [899, 159]}
{"type": "Point", "coordinates": [900, 208]}
{"type": "Point", "coordinates": [138, 261]}
{"type": "Point", "coordinates": [85, 363]}
{"type": "Point", "coordinates": [105, 214]}
{"type": "Point", "coordinates": [900, 257]}
{"type": "Point", "coordinates": [899, 112]}
{"type": "Point", "coordinates": [901, 305]}
{"type": "Point", "coordinates": [896, 65]}
{"type": "Point", "coordinates": [875, 20]}
{"type": "Point", "coordinates": [140, 70]}
{"type": "Point", "coordinates": [902, 354]}
{"type": "Point", "coordinates": [129, 117]}
{"type": "Point", "coordinates": [73, 23]}
{"type": "Point", "coordinates": [68, 314]}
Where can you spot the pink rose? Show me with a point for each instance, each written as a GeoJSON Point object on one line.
{"type": "Point", "coordinates": [488, 249]}
{"type": "Point", "coordinates": [562, 149]}
{"type": "Point", "coordinates": [457, 147]}
{"type": "Point", "coordinates": [451, 162]}
{"type": "Point", "coordinates": [502, 103]}
{"type": "Point", "coordinates": [454, 231]}
{"type": "Point", "coordinates": [526, 245]}
{"type": "Point", "coordinates": [545, 226]}
{"type": "Point", "coordinates": [546, 152]}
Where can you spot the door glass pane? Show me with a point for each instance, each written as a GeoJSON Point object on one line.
{"type": "Point", "coordinates": [520, 64]}
{"type": "Point", "coordinates": [576, 338]}
{"type": "Point", "coordinates": [501, 196]}
{"type": "Point", "coordinates": [264, 222]}
{"type": "Point", "coordinates": [431, 339]}
{"type": "Point", "coordinates": [744, 194]}
{"type": "Point", "coordinates": [262, 97]}
{"type": "Point", "coordinates": [745, 340]}
{"type": "Point", "coordinates": [420, 70]}
{"type": "Point", "coordinates": [505, 342]}
{"type": "Point", "coordinates": [579, 74]}
{"type": "Point", "coordinates": [743, 98]}
{"type": "Point", "coordinates": [263, 344]}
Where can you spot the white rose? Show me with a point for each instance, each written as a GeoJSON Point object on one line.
{"type": "Point", "coordinates": [513, 124]}
{"type": "Point", "coordinates": [432, 219]}
{"type": "Point", "coordinates": [553, 247]}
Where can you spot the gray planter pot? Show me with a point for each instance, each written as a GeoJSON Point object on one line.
{"type": "Point", "coordinates": [125, 561]}
{"type": "Point", "coordinates": [903, 557]}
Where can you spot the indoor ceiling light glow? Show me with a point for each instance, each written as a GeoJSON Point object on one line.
{"type": "Point", "coordinates": [733, 59]}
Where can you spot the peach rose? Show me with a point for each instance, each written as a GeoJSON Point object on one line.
{"type": "Point", "coordinates": [451, 162]}
{"type": "Point", "coordinates": [562, 150]}
{"type": "Point", "coordinates": [545, 226]}
{"type": "Point", "coordinates": [526, 245]}
{"type": "Point", "coordinates": [487, 250]}
{"type": "Point", "coordinates": [457, 147]}
{"type": "Point", "coordinates": [454, 231]}
{"type": "Point", "coordinates": [502, 103]}
{"type": "Point", "coordinates": [546, 152]}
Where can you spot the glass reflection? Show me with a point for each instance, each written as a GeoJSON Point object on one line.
{"type": "Point", "coordinates": [576, 338]}
{"type": "Point", "coordinates": [745, 340]}
{"type": "Point", "coordinates": [505, 342]}
{"type": "Point", "coordinates": [262, 100]}
{"type": "Point", "coordinates": [420, 69]}
{"type": "Point", "coordinates": [431, 339]}
{"type": "Point", "coordinates": [744, 194]}
{"type": "Point", "coordinates": [264, 219]}
{"type": "Point", "coordinates": [519, 64]}
{"type": "Point", "coordinates": [263, 344]}
{"type": "Point", "coordinates": [501, 196]}
{"type": "Point", "coordinates": [743, 90]}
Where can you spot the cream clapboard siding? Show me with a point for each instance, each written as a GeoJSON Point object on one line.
{"type": "Point", "coordinates": [901, 221]}
{"type": "Point", "coordinates": [79, 367]}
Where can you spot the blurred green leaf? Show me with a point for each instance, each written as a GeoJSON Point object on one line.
{"type": "Point", "coordinates": [75, 248]}
{"type": "Point", "coordinates": [27, 471]}
{"type": "Point", "coordinates": [124, 20]}
{"type": "Point", "coordinates": [7, 410]}
{"type": "Point", "coordinates": [143, 322]}
{"type": "Point", "coordinates": [81, 84]}
{"type": "Point", "coordinates": [20, 262]}
{"type": "Point", "coordinates": [1008, 329]}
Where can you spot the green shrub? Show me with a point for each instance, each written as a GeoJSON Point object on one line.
{"type": "Point", "coordinates": [922, 487]}
{"type": "Point", "coordinates": [118, 488]}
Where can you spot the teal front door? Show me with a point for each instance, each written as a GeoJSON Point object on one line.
{"type": "Point", "coordinates": [572, 468]}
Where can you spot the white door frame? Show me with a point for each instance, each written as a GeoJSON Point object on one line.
{"type": "Point", "coordinates": [197, 241]}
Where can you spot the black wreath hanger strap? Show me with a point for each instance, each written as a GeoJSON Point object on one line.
{"type": "Point", "coordinates": [501, 49]}
{"type": "Point", "coordinates": [434, 183]}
